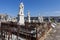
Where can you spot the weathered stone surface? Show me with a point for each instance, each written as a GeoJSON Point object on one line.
{"type": "Point", "coordinates": [55, 34]}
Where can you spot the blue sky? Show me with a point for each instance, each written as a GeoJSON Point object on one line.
{"type": "Point", "coordinates": [36, 7]}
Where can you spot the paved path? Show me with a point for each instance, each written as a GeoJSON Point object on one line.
{"type": "Point", "coordinates": [55, 34]}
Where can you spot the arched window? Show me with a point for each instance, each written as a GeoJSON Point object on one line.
{"type": "Point", "coordinates": [21, 12]}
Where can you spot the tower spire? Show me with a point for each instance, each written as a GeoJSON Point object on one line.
{"type": "Point", "coordinates": [28, 16]}
{"type": "Point", "coordinates": [21, 14]}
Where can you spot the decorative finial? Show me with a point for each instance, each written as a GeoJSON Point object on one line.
{"type": "Point", "coordinates": [28, 12]}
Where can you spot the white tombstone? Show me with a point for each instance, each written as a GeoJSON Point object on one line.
{"type": "Point", "coordinates": [21, 14]}
{"type": "Point", "coordinates": [28, 16]}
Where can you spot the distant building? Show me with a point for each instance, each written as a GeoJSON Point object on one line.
{"type": "Point", "coordinates": [35, 19]}
{"type": "Point", "coordinates": [3, 17]}
{"type": "Point", "coordinates": [40, 19]}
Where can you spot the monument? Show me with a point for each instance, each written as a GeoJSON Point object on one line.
{"type": "Point", "coordinates": [28, 16]}
{"type": "Point", "coordinates": [21, 14]}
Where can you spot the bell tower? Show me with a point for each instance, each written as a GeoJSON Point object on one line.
{"type": "Point", "coordinates": [21, 14]}
{"type": "Point", "coordinates": [28, 16]}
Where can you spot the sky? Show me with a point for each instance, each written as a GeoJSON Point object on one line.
{"type": "Point", "coordinates": [36, 7]}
